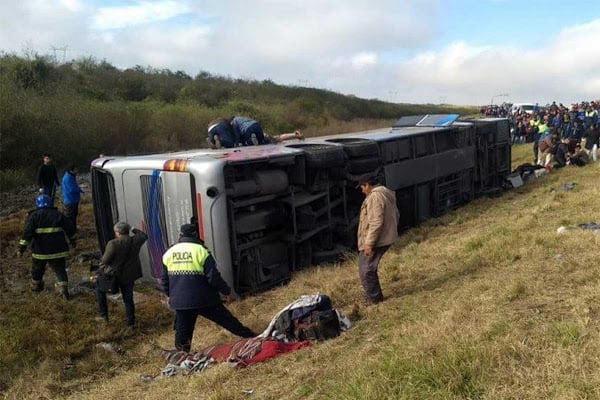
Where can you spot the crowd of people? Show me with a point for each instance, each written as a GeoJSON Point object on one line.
{"type": "Point", "coordinates": [560, 135]}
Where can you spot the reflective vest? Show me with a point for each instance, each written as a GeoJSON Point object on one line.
{"type": "Point", "coordinates": [45, 229]}
{"type": "Point", "coordinates": [190, 276]}
{"type": "Point", "coordinates": [185, 259]}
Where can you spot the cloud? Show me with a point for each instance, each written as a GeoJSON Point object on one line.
{"type": "Point", "coordinates": [143, 12]}
{"type": "Point", "coordinates": [38, 25]}
{"type": "Point", "coordinates": [339, 45]}
{"type": "Point", "coordinates": [72, 5]}
{"type": "Point", "coordinates": [363, 60]}
{"type": "Point", "coordinates": [563, 68]}
{"type": "Point", "coordinates": [175, 48]}
{"type": "Point", "coordinates": [290, 29]}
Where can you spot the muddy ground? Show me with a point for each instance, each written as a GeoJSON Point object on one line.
{"type": "Point", "coordinates": [15, 271]}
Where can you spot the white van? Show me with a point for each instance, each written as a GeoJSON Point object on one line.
{"type": "Point", "coordinates": [523, 107]}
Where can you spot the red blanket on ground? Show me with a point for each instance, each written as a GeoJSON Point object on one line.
{"type": "Point", "coordinates": [251, 351]}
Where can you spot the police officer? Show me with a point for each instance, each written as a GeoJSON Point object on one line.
{"type": "Point", "coordinates": [192, 282]}
{"type": "Point", "coordinates": [46, 228]}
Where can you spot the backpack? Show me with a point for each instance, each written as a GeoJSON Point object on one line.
{"type": "Point", "coordinates": [318, 325]}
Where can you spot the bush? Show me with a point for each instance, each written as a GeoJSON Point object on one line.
{"type": "Point", "coordinates": [77, 110]}
{"type": "Point", "coordinates": [13, 179]}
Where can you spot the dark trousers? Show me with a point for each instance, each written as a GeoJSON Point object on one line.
{"type": "Point", "coordinates": [71, 212]}
{"type": "Point", "coordinates": [50, 190]}
{"type": "Point", "coordinates": [127, 294]}
{"type": "Point", "coordinates": [185, 321]}
{"type": "Point", "coordinates": [255, 129]}
{"type": "Point", "coordinates": [535, 151]}
{"type": "Point", "coordinates": [367, 269]}
{"type": "Point", "coordinates": [58, 265]}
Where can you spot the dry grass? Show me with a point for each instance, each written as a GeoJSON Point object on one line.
{"type": "Point", "coordinates": [486, 302]}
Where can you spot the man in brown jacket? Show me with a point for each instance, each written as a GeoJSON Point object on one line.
{"type": "Point", "coordinates": [122, 254]}
{"type": "Point", "coordinates": [377, 231]}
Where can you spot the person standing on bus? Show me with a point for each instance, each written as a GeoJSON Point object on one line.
{"type": "Point", "coordinates": [192, 282]}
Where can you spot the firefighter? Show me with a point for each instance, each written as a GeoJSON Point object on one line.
{"type": "Point", "coordinates": [45, 229]}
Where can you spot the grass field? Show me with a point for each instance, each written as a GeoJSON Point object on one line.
{"type": "Point", "coordinates": [487, 302]}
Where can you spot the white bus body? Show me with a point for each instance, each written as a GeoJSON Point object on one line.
{"type": "Point", "coordinates": [264, 211]}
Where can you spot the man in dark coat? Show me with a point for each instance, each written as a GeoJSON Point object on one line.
{"type": "Point", "coordinates": [122, 257]}
{"type": "Point", "coordinates": [47, 177]}
{"type": "Point", "coordinates": [592, 138]}
{"type": "Point", "coordinates": [45, 229]}
{"type": "Point", "coordinates": [192, 282]}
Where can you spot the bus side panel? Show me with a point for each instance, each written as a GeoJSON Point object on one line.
{"type": "Point", "coordinates": [160, 202]}
{"type": "Point", "coordinates": [211, 204]}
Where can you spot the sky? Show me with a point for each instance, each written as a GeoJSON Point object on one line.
{"type": "Point", "coordinates": [463, 52]}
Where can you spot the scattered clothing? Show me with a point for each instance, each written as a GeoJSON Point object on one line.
{"type": "Point", "coordinates": [252, 350]}
{"type": "Point", "coordinates": [585, 226]}
{"type": "Point", "coordinates": [565, 188]}
{"type": "Point", "coordinates": [279, 338]}
{"type": "Point", "coordinates": [282, 324]}
{"type": "Point", "coordinates": [240, 354]}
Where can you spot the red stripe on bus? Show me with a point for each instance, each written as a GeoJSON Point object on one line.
{"type": "Point", "coordinates": [200, 217]}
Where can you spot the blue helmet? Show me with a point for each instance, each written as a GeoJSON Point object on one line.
{"type": "Point", "coordinates": [43, 201]}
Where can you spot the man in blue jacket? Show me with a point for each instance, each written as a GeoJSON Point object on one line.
{"type": "Point", "coordinates": [71, 194]}
{"type": "Point", "coordinates": [220, 134]}
{"type": "Point", "coordinates": [248, 131]}
{"type": "Point", "coordinates": [192, 282]}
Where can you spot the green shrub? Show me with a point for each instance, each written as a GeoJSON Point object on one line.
{"type": "Point", "coordinates": [13, 179]}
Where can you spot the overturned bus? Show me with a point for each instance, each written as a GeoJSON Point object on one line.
{"type": "Point", "coordinates": [265, 211]}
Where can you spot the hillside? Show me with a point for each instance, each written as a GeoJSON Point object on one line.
{"type": "Point", "coordinates": [79, 109]}
{"type": "Point", "coordinates": [485, 302]}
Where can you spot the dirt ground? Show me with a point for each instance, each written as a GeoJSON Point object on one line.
{"type": "Point", "coordinates": [14, 208]}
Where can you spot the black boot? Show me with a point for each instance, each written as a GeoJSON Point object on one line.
{"type": "Point", "coordinates": [37, 286]}
{"type": "Point", "coordinates": [63, 288]}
